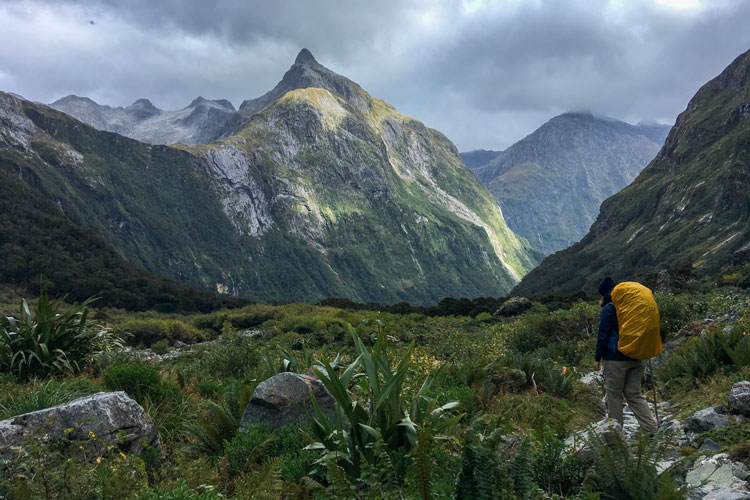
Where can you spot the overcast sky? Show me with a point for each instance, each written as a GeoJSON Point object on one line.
{"type": "Point", "coordinates": [484, 72]}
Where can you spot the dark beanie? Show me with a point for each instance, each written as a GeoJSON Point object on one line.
{"type": "Point", "coordinates": [606, 286]}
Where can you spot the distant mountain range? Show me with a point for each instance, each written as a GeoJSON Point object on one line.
{"type": "Point", "coordinates": [201, 122]}
{"type": "Point", "coordinates": [689, 207]}
{"type": "Point", "coordinates": [315, 189]}
{"type": "Point", "coordinates": [550, 184]}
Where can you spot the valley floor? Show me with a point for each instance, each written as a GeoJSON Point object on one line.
{"type": "Point", "coordinates": [525, 397]}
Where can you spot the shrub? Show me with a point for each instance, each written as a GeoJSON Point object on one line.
{"type": "Point", "coordinates": [140, 381]}
{"type": "Point", "coordinates": [218, 422]}
{"type": "Point", "coordinates": [149, 331]}
{"type": "Point", "coordinates": [181, 491]}
{"type": "Point", "coordinates": [51, 471]}
{"type": "Point", "coordinates": [161, 347]}
{"type": "Point", "coordinates": [47, 340]}
{"type": "Point", "coordinates": [675, 311]}
{"type": "Point", "coordinates": [233, 357]}
{"type": "Point", "coordinates": [701, 357]}
{"type": "Point", "coordinates": [249, 448]}
{"type": "Point", "coordinates": [556, 470]}
{"type": "Point", "coordinates": [41, 395]}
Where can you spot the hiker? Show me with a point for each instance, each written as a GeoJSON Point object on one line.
{"type": "Point", "coordinates": [622, 374]}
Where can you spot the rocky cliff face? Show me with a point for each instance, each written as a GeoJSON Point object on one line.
{"type": "Point", "coordinates": [690, 206]}
{"type": "Point", "coordinates": [326, 191]}
{"type": "Point", "coordinates": [201, 122]}
{"type": "Point", "coordinates": [550, 184]}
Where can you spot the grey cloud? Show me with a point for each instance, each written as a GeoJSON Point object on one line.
{"type": "Point", "coordinates": [484, 79]}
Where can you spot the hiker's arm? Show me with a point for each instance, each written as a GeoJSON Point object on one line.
{"type": "Point", "coordinates": [605, 332]}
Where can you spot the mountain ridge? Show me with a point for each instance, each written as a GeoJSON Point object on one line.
{"type": "Point", "coordinates": [200, 122]}
{"type": "Point", "coordinates": [689, 207]}
{"type": "Point", "coordinates": [316, 195]}
{"type": "Point", "coordinates": [549, 184]}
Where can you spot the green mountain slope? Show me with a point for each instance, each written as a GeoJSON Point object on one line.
{"type": "Point", "coordinates": [326, 191]}
{"type": "Point", "coordinates": [40, 247]}
{"type": "Point", "coordinates": [550, 184]}
{"type": "Point", "coordinates": [691, 205]}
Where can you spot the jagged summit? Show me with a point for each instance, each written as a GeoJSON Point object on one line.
{"type": "Point", "coordinates": [217, 103]}
{"type": "Point", "coordinates": [304, 73]}
{"type": "Point", "coordinates": [201, 122]}
{"type": "Point", "coordinates": [305, 57]}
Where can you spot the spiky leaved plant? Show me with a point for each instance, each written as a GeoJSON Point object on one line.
{"type": "Point", "coordinates": [47, 340]}
{"type": "Point", "coordinates": [380, 415]}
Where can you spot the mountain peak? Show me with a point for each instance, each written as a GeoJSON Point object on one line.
{"type": "Point", "coordinates": [198, 101]}
{"type": "Point", "coordinates": [305, 57]}
{"type": "Point", "coordinates": [306, 72]}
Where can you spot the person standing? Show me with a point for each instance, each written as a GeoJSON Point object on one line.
{"type": "Point", "coordinates": [622, 375]}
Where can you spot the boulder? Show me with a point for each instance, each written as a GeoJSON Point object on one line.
{"type": "Point", "coordinates": [113, 417]}
{"type": "Point", "coordinates": [284, 399]}
{"type": "Point", "coordinates": [710, 445]}
{"type": "Point", "coordinates": [513, 306]}
{"type": "Point", "coordinates": [717, 477]}
{"type": "Point", "coordinates": [609, 431]}
{"type": "Point", "coordinates": [707, 419]}
{"type": "Point", "coordinates": [739, 398]}
{"type": "Point", "coordinates": [726, 493]}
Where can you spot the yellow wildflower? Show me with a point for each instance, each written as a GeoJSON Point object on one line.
{"type": "Point", "coordinates": [98, 460]}
{"type": "Point", "coordinates": [92, 435]}
{"type": "Point", "coordinates": [122, 455]}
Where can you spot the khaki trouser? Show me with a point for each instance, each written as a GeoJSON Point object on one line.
{"type": "Point", "coordinates": [622, 381]}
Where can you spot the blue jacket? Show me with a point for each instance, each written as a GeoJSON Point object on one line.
{"type": "Point", "coordinates": [606, 340]}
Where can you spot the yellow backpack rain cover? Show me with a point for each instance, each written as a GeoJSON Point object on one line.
{"type": "Point", "coordinates": [638, 320]}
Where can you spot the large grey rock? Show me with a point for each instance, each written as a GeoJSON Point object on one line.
{"type": "Point", "coordinates": [715, 471]}
{"type": "Point", "coordinates": [707, 419]}
{"type": "Point", "coordinates": [283, 399]}
{"type": "Point", "coordinates": [739, 398]}
{"type": "Point", "coordinates": [609, 431]}
{"type": "Point", "coordinates": [113, 417]}
{"type": "Point", "coordinates": [726, 493]}
{"type": "Point", "coordinates": [513, 306]}
{"type": "Point", "coordinates": [710, 445]}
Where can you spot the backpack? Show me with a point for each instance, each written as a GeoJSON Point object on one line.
{"type": "Point", "coordinates": [638, 320]}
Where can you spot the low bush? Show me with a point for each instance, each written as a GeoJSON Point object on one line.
{"type": "Point", "coordinates": [150, 331]}
{"type": "Point", "coordinates": [51, 471]}
{"type": "Point", "coordinates": [700, 357]}
{"type": "Point", "coordinates": [39, 395]}
{"type": "Point", "coordinates": [139, 380]}
{"type": "Point", "coordinates": [161, 347]}
{"type": "Point", "coordinates": [181, 491]}
{"type": "Point", "coordinates": [234, 356]}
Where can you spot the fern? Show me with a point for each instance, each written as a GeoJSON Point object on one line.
{"type": "Point", "coordinates": [340, 484]}
{"type": "Point", "coordinates": [263, 484]}
{"type": "Point", "coordinates": [522, 470]}
{"type": "Point", "coordinates": [629, 472]}
{"type": "Point", "coordinates": [419, 473]}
